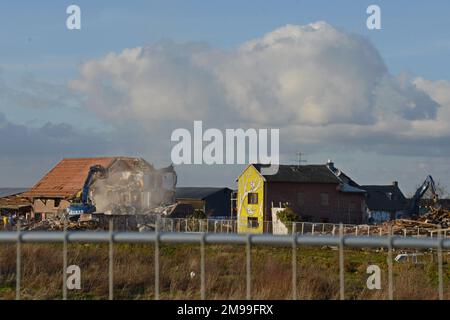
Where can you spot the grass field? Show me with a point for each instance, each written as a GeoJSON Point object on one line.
{"type": "Point", "coordinates": [317, 268]}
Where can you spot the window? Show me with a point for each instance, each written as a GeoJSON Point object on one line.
{"type": "Point", "coordinates": [324, 199]}
{"type": "Point", "coordinates": [300, 198]}
{"type": "Point", "coordinates": [252, 198]}
{"type": "Point", "coordinates": [57, 202]}
{"type": "Point", "coordinates": [252, 222]}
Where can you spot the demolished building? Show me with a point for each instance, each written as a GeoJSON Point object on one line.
{"type": "Point", "coordinates": [13, 203]}
{"type": "Point", "coordinates": [131, 186]}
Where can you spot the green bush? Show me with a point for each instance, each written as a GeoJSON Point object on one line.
{"type": "Point", "coordinates": [287, 216]}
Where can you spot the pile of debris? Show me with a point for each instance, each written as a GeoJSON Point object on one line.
{"type": "Point", "coordinates": [438, 217]}
{"type": "Point", "coordinates": [53, 224]}
{"type": "Point", "coordinates": [424, 225]}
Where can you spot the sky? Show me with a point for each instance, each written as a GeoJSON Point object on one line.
{"type": "Point", "coordinates": [376, 102]}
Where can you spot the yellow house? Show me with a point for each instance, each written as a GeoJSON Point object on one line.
{"type": "Point", "coordinates": [250, 201]}
{"type": "Point", "coordinates": [317, 193]}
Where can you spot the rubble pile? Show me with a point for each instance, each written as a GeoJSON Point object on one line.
{"type": "Point", "coordinates": [54, 224]}
{"type": "Point", "coordinates": [437, 217]}
{"type": "Point", "coordinates": [423, 225]}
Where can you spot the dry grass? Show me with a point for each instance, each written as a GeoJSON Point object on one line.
{"type": "Point", "coordinates": [318, 274]}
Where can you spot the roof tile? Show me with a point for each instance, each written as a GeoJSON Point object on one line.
{"type": "Point", "coordinates": [67, 177]}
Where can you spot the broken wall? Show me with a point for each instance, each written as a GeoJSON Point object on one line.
{"type": "Point", "coordinates": [134, 188]}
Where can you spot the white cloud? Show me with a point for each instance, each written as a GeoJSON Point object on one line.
{"type": "Point", "coordinates": [157, 83]}
{"type": "Point", "coordinates": [320, 84]}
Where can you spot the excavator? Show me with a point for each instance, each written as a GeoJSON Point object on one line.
{"type": "Point", "coordinates": [428, 184]}
{"type": "Point", "coordinates": [84, 204]}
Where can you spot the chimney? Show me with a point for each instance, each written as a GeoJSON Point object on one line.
{"type": "Point", "coordinates": [395, 183]}
{"type": "Point", "coordinates": [330, 164]}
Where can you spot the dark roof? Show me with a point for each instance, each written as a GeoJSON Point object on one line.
{"type": "Point", "coordinates": [385, 198]}
{"type": "Point", "coordinates": [6, 192]}
{"type": "Point", "coordinates": [303, 174]}
{"type": "Point", "coordinates": [197, 192]}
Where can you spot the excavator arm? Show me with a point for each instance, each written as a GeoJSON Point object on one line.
{"type": "Point", "coordinates": [75, 209]}
{"type": "Point", "coordinates": [428, 184]}
{"type": "Point", "coordinates": [92, 171]}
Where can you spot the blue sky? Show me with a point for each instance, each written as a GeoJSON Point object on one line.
{"type": "Point", "coordinates": [414, 36]}
{"type": "Point", "coordinates": [415, 40]}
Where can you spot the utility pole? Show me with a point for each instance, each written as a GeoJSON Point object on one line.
{"type": "Point", "coordinates": [299, 158]}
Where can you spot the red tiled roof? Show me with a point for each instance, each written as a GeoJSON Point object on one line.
{"type": "Point", "coordinates": [67, 177]}
{"type": "Point", "coordinates": [14, 202]}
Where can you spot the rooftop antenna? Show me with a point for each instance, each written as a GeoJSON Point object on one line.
{"type": "Point", "coordinates": [299, 158]}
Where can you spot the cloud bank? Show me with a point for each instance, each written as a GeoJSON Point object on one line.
{"type": "Point", "coordinates": [326, 89]}
{"type": "Point", "coordinates": [317, 83]}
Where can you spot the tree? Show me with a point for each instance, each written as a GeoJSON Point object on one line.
{"type": "Point", "coordinates": [441, 191]}
{"type": "Point", "coordinates": [288, 216]}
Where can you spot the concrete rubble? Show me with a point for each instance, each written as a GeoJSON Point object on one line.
{"type": "Point", "coordinates": [124, 218]}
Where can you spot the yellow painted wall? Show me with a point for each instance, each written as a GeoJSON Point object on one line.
{"type": "Point", "coordinates": [250, 181]}
{"type": "Point", "coordinates": [197, 204]}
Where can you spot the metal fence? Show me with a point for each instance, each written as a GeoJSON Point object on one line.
{"type": "Point", "coordinates": [231, 226]}
{"type": "Point", "coordinates": [303, 228]}
{"type": "Point", "coordinates": [202, 239]}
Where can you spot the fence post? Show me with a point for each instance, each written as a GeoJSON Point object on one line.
{"type": "Point", "coordinates": [202, 268]}
{"type": "Point", "coordinates": [341, 263]}
{"type": "Point", "coordinates": [440, 271]}
{"type": "Point", "coordinates": [303, 227]}
{"type": "Point", "coordinates": [294, 262]}
{"type": "Point", "coordinates": [390, 266]}
{"type": "Point", "coordinates": [18, 259]}
{"type": "Point", "coordinates": [312, 229]}
{"type": "Point", "coordinates": [249, 267]}
{"type": "Point", "coordinates": [111, 260]}
{"type": "Point", "coordinates": [356, 230]}
{"type": "Point", "coordinates": [157, 260]}
{"type": "Point", "coordinates": [65, 260]}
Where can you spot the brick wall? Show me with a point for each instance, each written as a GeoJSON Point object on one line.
{"type": "Point", "coordinates": [48, 206]}
{"type": "Point", "coordinates": [307, 200]}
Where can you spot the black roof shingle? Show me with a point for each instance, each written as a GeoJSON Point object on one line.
{"type": "Point", "coordinates": [196, 192]}
{"type": "Point", "coordinates": [302, 174]}
{"type": "Point", "coordinates": [385, 198]}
